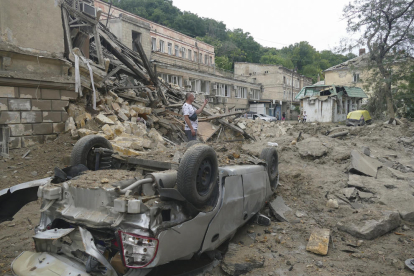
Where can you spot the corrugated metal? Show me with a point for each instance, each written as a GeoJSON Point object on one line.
{"type": "Point", "coordinates": [355, 92]}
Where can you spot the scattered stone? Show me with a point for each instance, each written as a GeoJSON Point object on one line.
{"type": "Point", "coordinates": [34, 173]}
{"type": "Point", "coordinates": [360, 226]}
{"type": "Point", "coordinates": [300, 214]}
{"type": "Point", "coordinates": [319, 264]}
{"type": "Point", "coordinates": [279, 208]}
{"type": "Point", "coordinates": [70, 124]}
{"type": "Point", "coordinates": [84, 132]}
{"type": "Point", "coordinates": [155, 135]}
{"type": "Point", "coordinates": [349, 193]}
{"type": "Point", "coordinates": [104, 180]}
{"type": "Point", "coordinates": [241, 260]}
{"type": "Point", "coordinates": [365, 196]}
{"type": "Point", "coordinates": [366, 151]}
{"type": "Point", "coordinates": [405, 227]}
{"type": "Point", "coordinates": [102, 119]}
{"type": "Point", "coordinates": [319, 241]}
{"type": "Point", "coordinates": [312, 148]}
{"type": "Point", "coordinates": [332, 203]}
{"type": "Point", "coordinates": [108, 131]}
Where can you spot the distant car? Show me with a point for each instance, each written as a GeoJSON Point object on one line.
{"type": "Point", "coordinates": [131, 226]}
{"type": "Point", "coordinates": [264, 117]}
{"type": "Point", "coordinates": [358, 118]}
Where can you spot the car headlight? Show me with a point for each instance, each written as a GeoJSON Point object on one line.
{"type": "Point", "coordinates": [137, 251]}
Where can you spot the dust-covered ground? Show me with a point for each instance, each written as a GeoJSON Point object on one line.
{"type": "Point", "coordinates": [312, 170]}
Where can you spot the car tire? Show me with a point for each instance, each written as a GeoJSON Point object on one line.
{"type": "Point", "coordinates": [192, 143]}
{"type": "Point", "coordinates": [83, 153]}
{"type": "Point", "coordinates": [272, 160]}
{"type": "Point", "coordinates": [197, 175]}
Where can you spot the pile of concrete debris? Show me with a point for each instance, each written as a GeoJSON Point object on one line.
{"type": "Point", "coordinates": [121, 97]}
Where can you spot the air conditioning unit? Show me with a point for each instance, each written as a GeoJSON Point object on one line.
{"type": "Point", "coordinates": [88, 9]}
{"type": "Point", "coordinates": [214, 87]}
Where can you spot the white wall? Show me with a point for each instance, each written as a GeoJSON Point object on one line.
{"type": "Point", "coordinates": [319, 111]}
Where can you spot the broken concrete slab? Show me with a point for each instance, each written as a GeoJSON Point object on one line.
{"type": "Point", "coordinates": [361, 164]}
{"type": "Point", "coordinates": [332, 203]}
{"type": "Point", "coordinates": [371, 224]}
{"type": "Point", "coordinates": [312, 148]}
{"type": "Point", "coordinates": [365, 196]}
{"type": "Point", "coordinates": [349, 193]}
{"type": "Point", "coordinates": [102, 119]}
{"type": "Point", "coordinates": [241, 260]}
{"type": "Point", "coordinates": [319, 241]}
{"type": "Point", "coordinates": [279, 208]}
{"type": "Point", "coordinates": [399, 175]}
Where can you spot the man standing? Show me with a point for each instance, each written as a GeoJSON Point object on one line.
{"type": "Point", "coordinates": [190, 116]}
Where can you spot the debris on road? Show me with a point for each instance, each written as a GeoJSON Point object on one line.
{"type": "Point", "coordinates": [319, 241]}
{"type": "Point", "coordinates": [279, 208]}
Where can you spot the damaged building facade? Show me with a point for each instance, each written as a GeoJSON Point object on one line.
{"type": "Point", "coordinates": [329, 103]}
{"type": "Point", "coordinates": [280, 87]}
{"type": "Point", "coordinates": [35, 79]}
{"type": "Point", "coordinates": [181, 61]}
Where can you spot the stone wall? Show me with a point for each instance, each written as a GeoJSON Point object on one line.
{"type": "Point", "coordinates": [33, 115]}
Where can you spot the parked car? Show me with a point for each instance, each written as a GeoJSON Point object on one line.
{"type": "Point", "coordinates": [358, 118]}
{"type": "Point", "coordinates": [263, 117]}
{"type": "Point", "coordinates": [131, 226]}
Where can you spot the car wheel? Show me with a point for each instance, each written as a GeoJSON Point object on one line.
{"type": "Point", "coordinates": [83, 151]}
{"type": "Point", "coordinates": [192, 143]}
{"type": "Point", "coordinates": [197, 175]}
{"type": "Point", "coordinates": [272, 160]}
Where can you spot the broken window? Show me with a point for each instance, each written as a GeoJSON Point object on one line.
{"type": "Point", "coordinates": [135, 36]}
{"type": "Point", "coordinates": [189, 54]}
{"type": "Point", "coordinates": [356, 77]}
{"type": "Point", "coordinates": [176, 50]}
{"type": "Point", "coordinates": [169, 48]}
{"type": "Point", "coordinates": [154, 43]}
{"type": "Point", "coordinates": [161, 46]}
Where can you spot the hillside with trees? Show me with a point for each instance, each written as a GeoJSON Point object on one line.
{"type": "Point", "coordinates": [233, 45]}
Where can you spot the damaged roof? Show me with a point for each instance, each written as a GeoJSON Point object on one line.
{"type": "Point", "coordinates": [318, 91]}
{"type": "Point", "coordinates": [359, 61]}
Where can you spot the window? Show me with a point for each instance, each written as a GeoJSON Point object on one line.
{"type": "Point", "coordinates": [284, 80]}
{"type": "Point", "coordinates": [195, 56]}
{"type": "Point", "coordinates": [255, 94]}
{"type": "Point", "coordinates": [223, 90]}
{"type": "Point", "coordinates": [176, 50]}
{"type": "Point", "coordinates": [205, 59]}
{"type": "Point", "coordinates": [182, 52]}
{"type": "Point", "coordinates": [201, 58]}
{"type": "Point", "coordinates": [356, 77]}
{"type": "Point", "coordinates": [241, 92]}
{"type": "Point", "coordinates": [189, 54]}
{"type": "Point", "coordinates": [169, 48]}
{"type": "Point", "coordinates": [211, 60]}
{"type": "Point", "coordinates": [154, 44]}
{"type": "Point", "coordinates": [284, 94]}
{"type": "Point", "coordinates": [135, 36]}
{"type": "Point", "coordinates": [161, 46]}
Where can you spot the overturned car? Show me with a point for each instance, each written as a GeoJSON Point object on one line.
{"type": "Point", "coordinates": [113, 222]}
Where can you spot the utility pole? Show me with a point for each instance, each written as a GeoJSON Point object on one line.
{"type": "Point", "coordinates": [291, 99]}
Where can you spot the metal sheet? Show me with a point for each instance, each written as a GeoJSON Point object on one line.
{"type": "Point", "coordinates": [44, 264]}
{"type": "Point", "coordinates": [53, 234]}
{"type": "Point", "coordinates": [30, 184]}
{"type": "Point", "coordinates": [255, 186]}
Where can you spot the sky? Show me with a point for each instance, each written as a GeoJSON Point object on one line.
{"type": "Point", "coordinates": [275, 23]}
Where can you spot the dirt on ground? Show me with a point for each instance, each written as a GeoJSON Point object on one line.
{"type": "Point", "coordinates": [313, 170]}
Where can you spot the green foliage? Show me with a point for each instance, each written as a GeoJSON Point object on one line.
{"type": "Point", "coordinates": [233, 45]}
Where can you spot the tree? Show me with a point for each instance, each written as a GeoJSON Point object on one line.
{"type": "Point", "coordinates": [386, 28]}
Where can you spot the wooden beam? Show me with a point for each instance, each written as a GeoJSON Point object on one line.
{"type": "Point", "coordinates": [98, 45]}
{"type": "Point", "coordinates": [113, 72]}
{"type": "Point", "coordinates": [125, 60]}
{"type": "Point", "coordinates": [219, 116]}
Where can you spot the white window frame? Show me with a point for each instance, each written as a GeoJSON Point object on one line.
{"type": "Point", "coordinates": [162, 46]}
{"type": "Point", "coordinates": [223, 90]}
{"type": "Point", "coordinates": [154, 44]}
{"type": "Point", "coordinates": [182, 52]}
{"type": "Point", "coordinates": [176, 51]}
{"type": "Point", "coordinates": [241, 92]}
{"type": "Point", "coordinates": [356, 77]}
{"type": "Point", "coordinates": [255, 94]}
{"type": "Point", "coordinates": [170, 48]}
